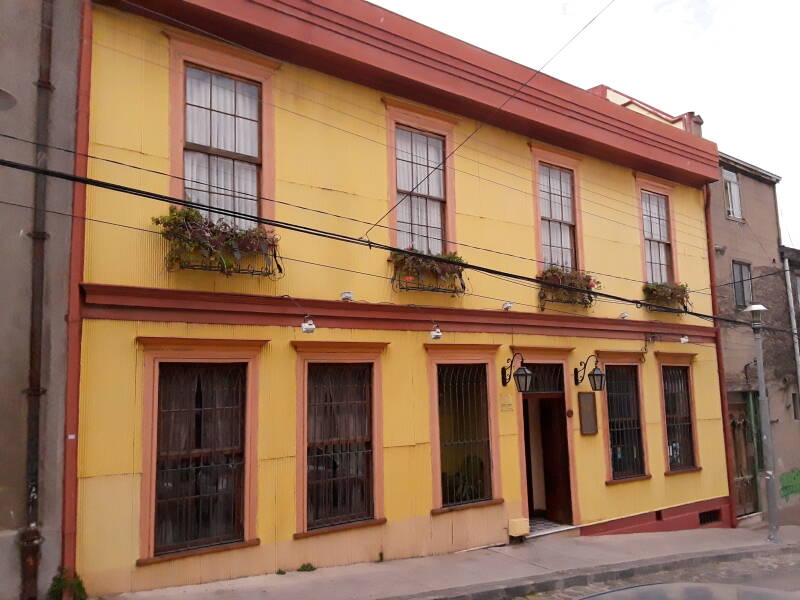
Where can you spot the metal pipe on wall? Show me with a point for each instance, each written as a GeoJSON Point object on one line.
{"type": "Point", "coordinates": [793, 321]}
{"type": "Point", "coordinates": [30, 538]}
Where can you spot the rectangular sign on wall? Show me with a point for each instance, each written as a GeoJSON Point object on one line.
{"type": "Point", "coordinates": [587, 410]}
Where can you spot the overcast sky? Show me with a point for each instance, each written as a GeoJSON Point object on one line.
{"type": "Point", "coordinates": [734, 62]}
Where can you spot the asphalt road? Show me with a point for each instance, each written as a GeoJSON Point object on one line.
{"type": "Point", "coordinates": [777, 575]}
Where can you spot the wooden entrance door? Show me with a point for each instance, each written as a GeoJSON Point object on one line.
{"type": "Point", "coordinates": [744, 450]}
{"type": "Point", "coordinates": [555, 459]}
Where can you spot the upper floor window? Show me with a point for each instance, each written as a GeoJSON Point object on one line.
{"type": "Point", "coordinates": [222, 152]}
{"type": "Point", "coordinates": [657, 243]}
{"type": "Point", "coordinates": [742, 284]}
{"type": "Point", "coordinates": [420, 190]}
{"type": "Point", "coordinates": [733, 200]}
{"type": "Point", "coordinates": [556, 198]}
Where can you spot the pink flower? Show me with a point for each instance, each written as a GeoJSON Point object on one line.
{"type": "Point", "coordinates": [408, 278]}
{"type": "Point", "coordinates": [592, 284]}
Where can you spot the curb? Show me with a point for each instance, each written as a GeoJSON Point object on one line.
{"type": "Point", "coordinates": [515, 588]}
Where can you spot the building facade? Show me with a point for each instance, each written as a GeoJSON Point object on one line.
{"type": "Point", "coordinates": [297, 397]}
{"type": "Point", "coordinates": [39, 45]}
{"type": "Point", "coordinates": [749, 268]}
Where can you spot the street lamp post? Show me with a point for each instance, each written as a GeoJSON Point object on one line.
{"type": "Point", "coordinates": [756, 310]}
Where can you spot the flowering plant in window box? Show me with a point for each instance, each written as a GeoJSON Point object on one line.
{"type": "Point", "coordinates": [668, 295]}
{"type": "Point", "coordinates": [197, 242]}
{"type": "Point", "coordinates": [583, 283]}
{"type": "Point", "coordinates": [427, 272]}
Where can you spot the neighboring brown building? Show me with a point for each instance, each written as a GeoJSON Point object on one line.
{"type": "Point", "coordinates": [746, 236]}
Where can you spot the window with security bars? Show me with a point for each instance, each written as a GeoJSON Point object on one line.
{"type": "Point", "coordinates": [733, 199]}
{"type": "Point", "coordinates": [556, 193]}
{"type": "Point", "coordinates": [657, 249]}
{"type": "Point", "coordinates": [678, 414]}
{"type": "Point", "coordinates": [420, 190]}
{"type": "Point", "coordinates": [339, 437]}
{"type": "Point", "coordinates": [742, 284]}
{"type": "Point", "coordinates": [465, 456]}
{"type": "Point", "coordinates": [199, 499]}
{"type": "Point", "coordinates": [222, 149]}
{"type": "Point", "coordinates": [624, 424]}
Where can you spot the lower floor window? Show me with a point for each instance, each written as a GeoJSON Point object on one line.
{"type": "Point", "coordinates": [624, 423]}
{"type": "Point", "coordinates": [678, 414]}
{"type": "Point", "coordinates": [200, 455]}
{"type": "Point", "coordinates": [339, 444]}
{"type": "Point", "coordinates": [465, 455]}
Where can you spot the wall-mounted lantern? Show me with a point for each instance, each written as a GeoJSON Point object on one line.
{"type": "Point", "coordinates": [523, 376]}
{"type": "Point", "coordinates": [597, 379]}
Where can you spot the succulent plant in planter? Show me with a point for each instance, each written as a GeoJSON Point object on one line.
{"type": "Point", "coordinates": [583, 283]}
{"type": "Point", "coordinates": [668, 295]}
{"type": "Point", "coordinates": [197, 242]}
{"type": "Point", "coordinates": [424, 272]}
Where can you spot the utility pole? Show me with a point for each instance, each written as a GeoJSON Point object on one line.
{"type": "Point", "coordinates": [766, 425]}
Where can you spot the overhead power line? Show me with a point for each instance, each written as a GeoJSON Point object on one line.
{"type": "Point", "coordinates": [489, 116]}
{"type": "Point", "coordinates": [345, 238]}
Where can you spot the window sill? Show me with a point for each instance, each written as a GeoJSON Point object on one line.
{"type": "Point", "coordinates": [153, 560]}
{"type": "Point", "coordinates": [446, 509]}
{"type": "Point", "coordinates": [628, 479]}
{"type": "Point", "coordinates": [342, 527]}
{"type": "Point", "coordinates": [736, 219]}
{"type": "Point", "coordinates": [681, 471]}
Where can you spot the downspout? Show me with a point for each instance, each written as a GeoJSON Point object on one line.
{"type": "Point", "coordinates": [30, 538]}
{"type": "Point", "coordinates": [723, 394]}
{"type": "Point", "coordinates": [793, 321]}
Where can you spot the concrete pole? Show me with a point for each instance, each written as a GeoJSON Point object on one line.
{"type": "Point", "coordinates": [766, 438]}
{"type": "Point", "coordinates": [793, 321]}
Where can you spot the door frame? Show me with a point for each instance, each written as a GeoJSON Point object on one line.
{"type": "Point", "coordinates": [548, 355]}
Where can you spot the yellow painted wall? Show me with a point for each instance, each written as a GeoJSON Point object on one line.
{"type": "Point", "coordinates": [331, 154]}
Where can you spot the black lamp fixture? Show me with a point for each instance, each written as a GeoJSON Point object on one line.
{"type": "Point", "coordinates": [597, 379]}
{"type": "Point", "coordinates": [523, 376]}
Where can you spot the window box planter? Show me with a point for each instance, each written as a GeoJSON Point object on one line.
{"type": "Point", "coordinates": [584, 283]}
{"type": "Point", "coordinates": [196, 242]}
{"type": "Point", "coordinates": [670, 297]}
{"type": "Point", "coordinates": [427, 274]}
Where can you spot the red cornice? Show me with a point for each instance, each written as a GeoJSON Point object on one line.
{"type": "Point", "coordinates": [367, 44]}
{"type": "Point", "coordinates": [150, 304]}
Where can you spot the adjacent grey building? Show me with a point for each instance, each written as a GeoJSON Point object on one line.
{"type": "Point", "coordinates": [749, 269]}
{"type": "Point", "coordinates": [39, 41]}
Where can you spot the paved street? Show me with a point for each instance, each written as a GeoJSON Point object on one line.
{"type": "Point", "coordinates": [778, 572]}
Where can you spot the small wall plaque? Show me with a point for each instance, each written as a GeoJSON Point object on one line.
{"type": "Point", "coordinates": [587, 409]}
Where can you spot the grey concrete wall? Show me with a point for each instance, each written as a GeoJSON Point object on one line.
{"type": "Point", "coordinates": [19, 49]}
{"type": "Point", "coordinates": [756, 240]}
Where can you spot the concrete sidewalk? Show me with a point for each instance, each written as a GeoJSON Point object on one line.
{"type": "Point", "coordinates": [540, 564]}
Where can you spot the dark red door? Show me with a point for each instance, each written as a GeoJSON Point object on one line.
{"type": "Point", "coordinates": [555, 459]}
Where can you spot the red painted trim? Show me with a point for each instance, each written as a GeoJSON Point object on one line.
{"type": "Point", "coordinates": [369, 45]}
{"type": "Point", "coordinates": [685, 516]}
{"type": "Point", "coordinates": [723, 393]}
{"type": "Point", "coordinates": [163, 305]}
{"type": "Point", "coordinates": [74, 330]}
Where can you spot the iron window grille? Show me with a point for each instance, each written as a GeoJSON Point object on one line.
{"type": "Point", "coordinates": [222, 146]}
{"type": "Point", "coordinates": [624, 423]}
{"type": "Point", "coordinates": [200, 455]}
{"type": "Point", "coordinates": [556, 198]}
{"type": "Point", "coordinates": [339, 451]}
{"type": "Point", "coordinates": [465, 455]}
{"type": "Point", "coordinates": [657, 245]}
{"type": "Point", "coordinates": [420, 167]}
{"type": "Point", "coordinates": [742, 284]}
{"type": "Point", "coordinates": [678, 414]}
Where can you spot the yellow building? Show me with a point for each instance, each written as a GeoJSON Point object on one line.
{"type": "Point", "coordinates": [223, 424]}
